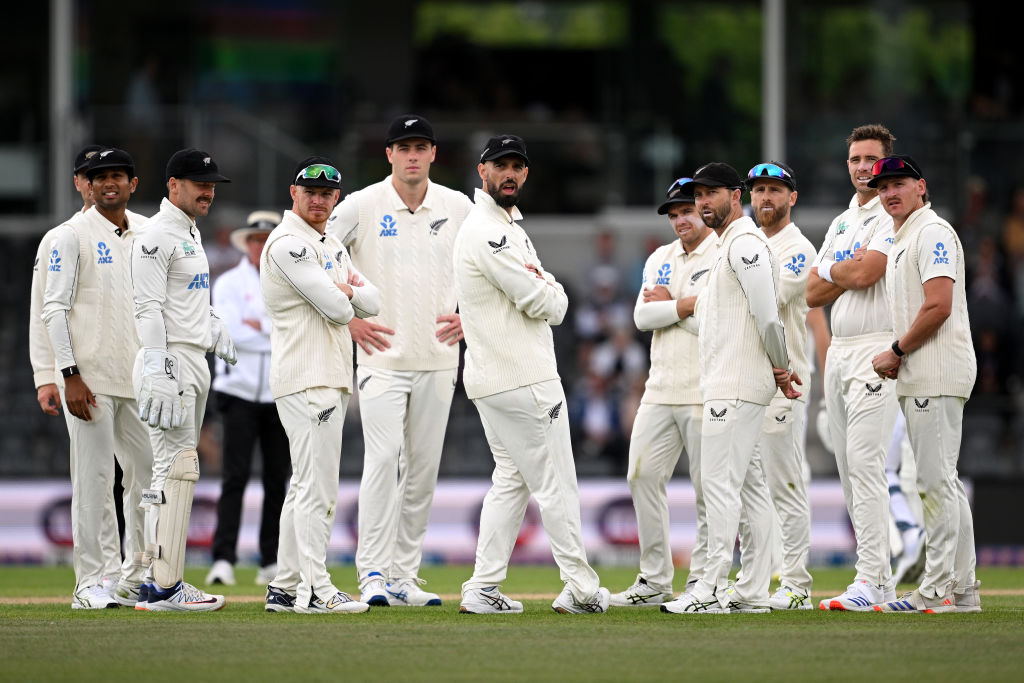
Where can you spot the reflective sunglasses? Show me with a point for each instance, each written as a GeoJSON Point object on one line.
{"type": "Point", "coordinates": [676, 188]}
{"type": "Point", "coordinates": [317, 170]}
{"type": "Point", "coordinates": [769, 171]}
{"type": "Point", "coordinates": [894, 164]}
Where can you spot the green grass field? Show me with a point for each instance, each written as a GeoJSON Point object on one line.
{"type": "Point", "coordinates": [42, 639]}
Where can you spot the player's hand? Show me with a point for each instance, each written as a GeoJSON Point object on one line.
{"type": "Point", "coordinates": [452, 331]}
{"type": "Point", "coordinates": [79, 397]}
{"type": "Point", "coordinates": [659, 293]}
{"type": "Point", "coordinates": [369, 335]}
{"type": "Point", "coordinates": [48, 396]}
{"type": "Point", "coordinates": [159, 396]}
{"type": "Point", "coordinates": [784, 379]}
{"type": "Point", "coordinates": [886, 364]}
{"type": "Point", "coordinates": [354, 280]}
{"type": "Point", "coordinates": [221, 343]}
{"type": "Point", "coordinates": [535, 270]}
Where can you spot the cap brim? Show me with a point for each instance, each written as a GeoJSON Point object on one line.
{"type": "Point", "coordinates": [317, 182]}
{"type": "Point", "coordinates": [241, 235]}
{"type": "Point", "coordinates": [749, 182]}
{"type": "Point", "coordinates": [411, 136]}
{"type": "Point", "coordinates": [204, 178]}
{"type": "Point", "coordinates": [873, 183]}
{"type": "Point", "coordinates": [663, 209]}
{"type": "Point", "coordinates": [500, 155]}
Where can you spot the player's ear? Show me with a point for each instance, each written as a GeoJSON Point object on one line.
{"type": "Point", "coordinates": [481, 169]}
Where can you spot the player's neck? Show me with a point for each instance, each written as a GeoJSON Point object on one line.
{"type": "Point", "coordinates": [865, 197]}
{"type": "Point", "coordinates": [411, 194]}
{"type": "Point", "coordinates": [115, 216]}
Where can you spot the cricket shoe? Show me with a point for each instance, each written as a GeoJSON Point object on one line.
{"type": "Point", "coordinates": [373, 591]}
{"type": "Point", "coordinates": [640, 594]}
{"type": "Point", "coordinates": [339, 603]}
{"type": "Point", "coordinates": [222, 572]}
{"type": "Point", "coordinates": [407, 593]}
{"type": "Point", "coordinates": [859, 596]}
{"type": "Point", "coordinates": [968, 601]}
{"type": "Point", "coordinates": [93, 597]}
{"type": "Point", "coordinates": [737, 606]}
{"type": "Point", "coordinates": [566, 602]}
{"type": "Point", "coordinates": [182, 597]}
{"type": "Point", "coordinates": [126, 594]}
{"type": "Point", "coordinates": [786, 598]}
{"type": "Point", "coordinates": [266, 574]}
{"type": "Point", "coordinates": [689, 603]}
{"type": "Point", "coordinates": [279, 600]}
{"type": "Point", "coordinates": [915, 602]}
{"type": "Point", "coordinates": [911, 562]}
{"type": "Point", "coordinates": [488, 600]}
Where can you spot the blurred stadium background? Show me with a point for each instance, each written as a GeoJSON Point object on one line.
{"type": "Point", "coordinates": [615, 99]}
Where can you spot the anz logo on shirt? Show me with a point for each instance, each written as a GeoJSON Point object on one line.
{"type": "Point", "coordinates": [843, 254]}
{"type": "Point", "coordinates": [390, 229]}
{"type": "Point", "coordinates": [941, 255]}
{"type": "Point", "coordinates": [328, 265]}
{"type": "Point", "coordinates": [797, 264]}
{"type": "Point", "coordinates": [54, 261]}
{"type": "Point", "coordinates": [200, 281]}
{"type": "Point", "coordinates": [664, 275]}
{"type": "Point", "coordinates": [104, 253]}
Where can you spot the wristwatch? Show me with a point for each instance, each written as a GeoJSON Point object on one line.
{"type": "Point", "coordinates": [70, 370]}
{"type": "Point", "coordinates": [897, 350]}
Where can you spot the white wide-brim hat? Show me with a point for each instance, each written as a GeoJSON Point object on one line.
{"type": "Point", "coordinates": [258, 223]}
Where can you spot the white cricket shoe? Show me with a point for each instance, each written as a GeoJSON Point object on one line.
{"type": "Point", "coordinates": [859, 596]}
{"type": "Point", "coordinates": [126, 594]}
{"type": "Point", "coordinates": [407, 593]}
{"type": "Point", "coordinates": [279, 600]}
{"type": "Point", "coordinates": [968, 601]}
{"type": "Point", "coordinates": [786, 598]}
{"type": "Point", "coordinates": [339, 603]}
{"type": "Point", "coordinates": [373, 590]}
{"type": "Point", "coordinates": [93, 597]}
{"type": "Point", "coordinates": [222, 572]}
{"type": "Point", "coordinates": [737, 606]}
{"type": "Point", "coordinates": [911, 602]}
{"type": "Point", "coordinates": [911, 563]}
{"type": "Point", "coordinates": [689, 603]}
{"type": "Point", "coordinates": [566, 602]}
{"type": "Point", "coordinates": [182, 597]}
{"type": "Point", "coordinates": [266, 574]}
{"type": "Point", "coordinates": [640, 594]}
{"type": "Point", "coordinates": [488, 600]}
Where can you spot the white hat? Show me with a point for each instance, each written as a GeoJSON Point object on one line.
{"type": "Point", "coordinates": [259, 223]}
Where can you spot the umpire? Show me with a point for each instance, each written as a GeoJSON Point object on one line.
{"type": "Point", "coordinates": [249, 412]}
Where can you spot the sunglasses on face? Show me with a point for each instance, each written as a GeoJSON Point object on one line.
{"type": "Point", "coordinates": [317, 170]}
{"type": "Point", "coordinates": [768, 171]}
{"type": "Point", "coordinates": [893, 164]}
{"type": "Point", "coordinates": [676, 187]}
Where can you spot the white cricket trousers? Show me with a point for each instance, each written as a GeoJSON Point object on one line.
{"type": "Point", "coordinates": [935, 426]}
{"type": "Point", "coordinates": [115, 428]}
{"type": "Point", "coordinates": [404, 415]}
{"type": "Point", "coordinates": [731, 477]}
{"type": "Point", "coordinates": [781, 450]}
{"type": "Point", "coordinates": [660, 432]}
{"type": "Point", "coordinates": [313, 420]}
{"type": "Point", "coordinates": [862, 411]}
{"type": "Point", "coordinates": [528, 432]}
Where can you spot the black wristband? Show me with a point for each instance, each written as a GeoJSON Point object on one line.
{"type": "Point", "coordinates": [70, 370]}
{"type": "Point", "coordinates": [897, 350]}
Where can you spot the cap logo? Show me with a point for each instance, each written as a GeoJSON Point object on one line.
{"type": "Point", "coordinates": [105, 153]}
{"type": "Point", "coordinates": [206, 160]}
{"type": "Point", "coordinates": [506, 141]}
{"type": "Point", "coordinates": [410, 122]}
{"type": "Point", "coordinates": [90, 155]}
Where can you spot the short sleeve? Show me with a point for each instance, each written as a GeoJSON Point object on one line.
{"type": "Point", "coordinates": [937, 253]}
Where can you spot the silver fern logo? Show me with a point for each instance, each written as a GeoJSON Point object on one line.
{"type": "Point", "coordinates": [325, 415]}
{"type": "Point", "coordinates": [554, 412]}
{"type": "Point", "coordinates": [696, 276]}
{"type": "Point", "coordinates": [362, 385]}
{"type": "Point", "coordinates": [436, 225]}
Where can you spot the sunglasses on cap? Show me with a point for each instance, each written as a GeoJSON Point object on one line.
{"type": "Point", "coordinates": [769, 171]}
{"type": "Point", "coordinates": [894, 164]}
{"type": "Point", "coordinates": [676, 187]}
{"type": "Point", "coordinates": [316, 170]}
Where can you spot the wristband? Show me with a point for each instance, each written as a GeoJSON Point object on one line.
{"type": "Point", "coordinates": [897, 350]}
{"type": "Point", "coordinates": [70, 370]}
{"type": "Point", "coordinates": [825, 270]}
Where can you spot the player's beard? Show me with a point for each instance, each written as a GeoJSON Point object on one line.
{"type": "Point", "coordinates": [505, 201]}
{"type": "Point", "coordinates": [768, 219]}
{"type": "Point", "coordinates": [719, 216]}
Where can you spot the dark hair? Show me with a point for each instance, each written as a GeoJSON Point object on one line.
{"type": "Point", "coordinates": [873, 131]}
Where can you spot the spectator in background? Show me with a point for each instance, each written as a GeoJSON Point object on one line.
{"type": "Point", "coordinates": [250, 415]}
{"type": "Point", "coordinates": [1013, 242]}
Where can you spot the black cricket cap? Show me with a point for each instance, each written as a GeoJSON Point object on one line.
{"type": "Point", "coordinates": [83, 156]}
{"type": "Point", "coordinates": [408, 126]}
{"type": "Point", "coordinates": [196, 165]}
{"type": "Point", "coordinates": [503, 145]}
{"type": "Point", "coordinates": [110, 157]}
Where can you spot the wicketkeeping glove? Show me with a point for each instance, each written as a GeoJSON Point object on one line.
{"type": "Point", "coordinates": [221, 343]}
{"type": "Point", "coordinates": [160, 402]}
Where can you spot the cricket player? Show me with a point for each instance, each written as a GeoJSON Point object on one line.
{"type": "Point", "coordinates": [400, 232]}
{"type": "Point", "coordinates": [311, 291]}
{"type": "Point", "coordinates": [87, 301]}
{"type": "Point", "coordinates": [849, 274]}
{"type": "Point", "coordinates": [669, 416]}
{"type": "Point", "coordinates": [743, 360]}
{"type": "Point", "coordinates": [176, 326]}
{"type": "Point", "coordinates": [44, 372]}
{"type": "Point", "coordinates": [933, 362]}
{"type": "Point", "coordinates": [508, 304]}
{"type": "Point", "coordinates": [773, 194]}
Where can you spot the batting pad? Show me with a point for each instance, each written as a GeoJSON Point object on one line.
{"type": "Point", "coordinates": [167, 518]}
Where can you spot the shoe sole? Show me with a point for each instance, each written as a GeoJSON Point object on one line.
{"type": "Point", "coordinates": [279, 608]}
{"type": "Point", "coordinates": [112, 605]}
{"type": "Point", "coordinates": [464, 610]}
{"type": "Point", "coordinates": [791, 609]}
{"type": "Point", "coordinates": [436, 602]}
{"type": "Point", "coordinates": [179, 609]}
{"type": "Point", "coordinates": [378, 601]}
{"type": "Point", "coordinates": [360, 610]}
{"type": "Point", "coordinates": [836, 606]}
{"type": "Point", "coordinates": [701, 613]}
